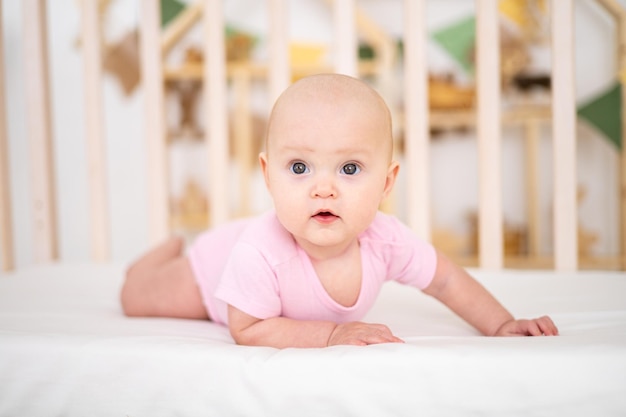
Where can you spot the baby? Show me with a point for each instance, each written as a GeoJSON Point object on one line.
{"type": "Point", "coordinates": [305, 274]}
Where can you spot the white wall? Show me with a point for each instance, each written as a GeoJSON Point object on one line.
{"type": "Point", "coordinates": [453, 157]}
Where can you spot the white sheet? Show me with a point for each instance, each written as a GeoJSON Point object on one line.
{"type": "Point", "coordinates": [66, 349]}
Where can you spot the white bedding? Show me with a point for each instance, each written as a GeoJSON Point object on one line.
{"type": "Point", "coordinates": [66, 350]}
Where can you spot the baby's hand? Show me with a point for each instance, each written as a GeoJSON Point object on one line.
{"type": "Point", "coordinates": [543, 326]}
{"type": "Point", "coordinates": [358, 333]}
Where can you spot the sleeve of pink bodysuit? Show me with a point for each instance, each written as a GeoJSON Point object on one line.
{"type": "Point", "coordinates": [249, 283]}
{"type": "Point", "coordinates": [412, 261]}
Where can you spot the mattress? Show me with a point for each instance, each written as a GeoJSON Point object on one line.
{"type": "Point", "coordinates": [67, 350]}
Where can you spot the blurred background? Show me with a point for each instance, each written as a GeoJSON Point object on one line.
{"type": "Point", "coordinates": [525, 75]}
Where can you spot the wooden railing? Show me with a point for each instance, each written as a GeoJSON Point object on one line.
{"type": "Point", "coordinates": [214, 78]}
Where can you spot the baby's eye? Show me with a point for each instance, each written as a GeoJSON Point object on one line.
{"type": "Point", "coordinates": [299, 168]}
{"type": "Point", "coordinates": [350, 169]}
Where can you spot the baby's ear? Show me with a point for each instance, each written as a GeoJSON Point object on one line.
{"type": "Point", "coordinates": [264, 169]}
{"type": "Point", "coordinates": [392, 175]}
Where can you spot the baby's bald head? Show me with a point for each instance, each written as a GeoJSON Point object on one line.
{"type": "Point", "coordinates": [331, 91]}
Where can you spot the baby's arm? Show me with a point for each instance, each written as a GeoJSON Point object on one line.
{"type": "Point", "coordinates": [454, 287]}
{"type": "Point", "coordinates": [281, 332]}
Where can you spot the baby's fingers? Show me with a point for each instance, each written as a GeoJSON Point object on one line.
{"type": "Point", "coordinates": [547, 326]}
{"type": "Point", "coordinates": [543, 326]}
{"type": "Point", "coordinates": [381, 334]}
{"type": "Point", "coordinates": [381, 338]}
{"type": "Point", "coordinates": [357, 333]}
{"type": "Point", "coordinates": [532, 329]}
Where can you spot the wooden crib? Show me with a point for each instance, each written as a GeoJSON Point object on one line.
{"type": "Point", "coordinates": [67, 349]}
{"type": "Point", "coordinates": [278, 72]}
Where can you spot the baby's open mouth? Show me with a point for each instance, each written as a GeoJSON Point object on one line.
{"type": "Point", "coordinates": [324, 215]}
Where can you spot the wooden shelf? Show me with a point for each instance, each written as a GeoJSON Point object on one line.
{"type": "Point", "coordinates": [514, 115]}
{"type": "Point", "coordinates": [194, 71]}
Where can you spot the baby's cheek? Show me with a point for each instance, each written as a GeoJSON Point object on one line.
{"type": "Point", "coordinates": [287, 214]}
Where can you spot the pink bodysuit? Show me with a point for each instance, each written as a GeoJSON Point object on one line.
{"type": "Point", "coordinates": [256, 266]}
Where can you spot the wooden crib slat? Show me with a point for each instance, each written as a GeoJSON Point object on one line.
{"type": "Point", "coordinates": [242, 133]}
{"type": "Point", "coordinates": [279, 68]}
{"type": "Point", "coordinates": [154, 120]}
{"type": "Point", "coordinates": [417, 140]}
{"type": "Point", "coordinates": [621, 190]}
{"type": "Point", "coordinates": [216, 110]}
{"type": "Point", "coordinates": [39, 128]}
{"type": "Point", "coordinates": [619, 13]}
{"type": "Point", "coordinates": [94, 131]}
{"type": "Point", "coordinates": [489, 155]}
{"type": "Point", "coordinates": [345, 38]}
{"type": "Point", "coordinates": [6, 228]}
{"type": "Point", "coordinates": [532, 132]}
{"type": "Point", "coordinates": [564, 136]}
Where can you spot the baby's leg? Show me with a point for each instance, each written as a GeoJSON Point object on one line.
{"type": "Point", "coordinates": [161, 283]}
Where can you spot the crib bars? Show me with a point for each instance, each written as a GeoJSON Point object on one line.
{"type": "Point", "coordinates": [214, 76]}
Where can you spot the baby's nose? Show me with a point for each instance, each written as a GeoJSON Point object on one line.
{"type": "Point", "coordinates": [324, 188]}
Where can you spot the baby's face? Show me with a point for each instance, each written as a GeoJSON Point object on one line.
{"type": "Point", "coordinates": [328, 168]}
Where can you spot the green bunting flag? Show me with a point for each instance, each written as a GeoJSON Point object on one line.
{"type": "Point", "coordinates": [169, 10]}
{"type": "Point", "coordinates": [458, 40]}
{"type": "Point", "coordinates": [604, 113]}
